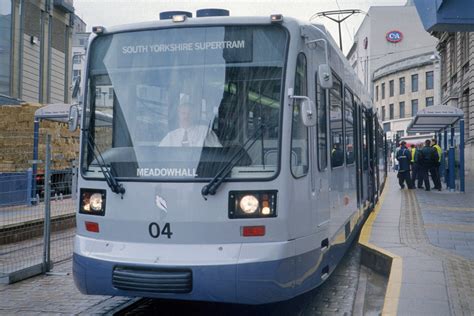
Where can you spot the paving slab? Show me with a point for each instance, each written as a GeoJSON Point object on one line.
{"type": "Point", "coordinates": [432, 235]}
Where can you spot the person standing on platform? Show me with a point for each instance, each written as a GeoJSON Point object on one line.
{"type": "Point", "coordinates": [428, 158]}
{"type": "Point", "coordinates": [403, 158]}
{"type": "Point", "coordinates": [435, 171]}
{"type": "Point", "coordinates": [413, 165]}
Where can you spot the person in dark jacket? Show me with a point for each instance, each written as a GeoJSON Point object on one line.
{"type": "Point", "coordinates": [417, 175]}
{"type": "Point", "coordinates": [435, 170]}
{"type": "Point", "coordinates": [428, 159]}
{"type": "Point", "coordinates": [404, 158]}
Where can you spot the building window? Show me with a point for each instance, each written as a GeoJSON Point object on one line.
{"type": "Point", "coordinates": [5, 45]}
{"type": "Point", "coordinates": [429, 101]}
{"type": "Point", "coordinates": [82, 42]}
{"type": "Point", "coordinates": [452, 55]}
{"type": "Point", "coordinates": [391, 88]}
{"type": "Point", "coordinates": [402, 85]}
{"type": "Point", "coordinates": [464, 49]}
{"type": "Point", "coordinates": [429, 80]}
{"type": "Point", "coordinates": [400, 134]}
{"type": "Point", "coordinates": [402, 109]}
{"type": "Point", "coordinates": [383, 90]}
{"type": "Point", "coordinates": [75, 74]}
{"type": "Point", "coordinates": [76, 59]}
{"type": "Point", "coordinates": [390, 107]}
{"type": "Point", "coordinates": [383, 113]}
{"type": "Point", "coordinates": [414, 107]}
{"type": "Point", "coordinates": [414, 83]}
{"type": "Point", "coordinates": [111, 93]}
{"type": "Point", "coordinates": [376, 93]}
{"type": "Point", "coordinates": [386, 127]}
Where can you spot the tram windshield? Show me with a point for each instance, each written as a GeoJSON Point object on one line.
{"type": "Point", "coordinates": [181, 103]}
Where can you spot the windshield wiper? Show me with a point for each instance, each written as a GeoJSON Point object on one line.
{"type": "Point", "coordinates": [214, 184]}
{"type": "Point", "coordinates": [114, 185]}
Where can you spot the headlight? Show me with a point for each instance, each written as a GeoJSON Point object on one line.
{"type": "Point", "coordinates": [92, 202]}
{"type": "Point", "coordinates": [252, 204]}
{"type": "Point", "coordinates": [249, 204]}
{"type": "Point", "coordinates": [96, 201]}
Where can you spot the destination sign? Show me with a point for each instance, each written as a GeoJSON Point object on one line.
{"type": "Point", "coordinates": [179, 47]}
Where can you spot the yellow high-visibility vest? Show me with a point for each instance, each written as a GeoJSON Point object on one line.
{"type": "Point", "coordinates": [413, 151]}
{"type": "Point", "coordinates": [439, 150]}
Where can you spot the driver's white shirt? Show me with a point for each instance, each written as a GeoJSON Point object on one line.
{"type": "Point", "coordinates": [197, 136]}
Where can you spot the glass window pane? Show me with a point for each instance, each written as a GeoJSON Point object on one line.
{"type": "Point", "coordinates": [402, 85]}
{"type": "Point", "coordinates": [349, 125]}
{"type": "Point", "coordinates": [299, 132]}
{"type": "Point", "coordinates": [322, 138]}
{"type": "Point", "coordinates": [337, 141]}
{"type": "Point", "coordinates": [227, 103]}
{"type": "Point", "coordinates": [414, 107]}
{"type": "Point", "coordinates": [414, 83]}
{"type": "Point", "coordinates": [429, 80]}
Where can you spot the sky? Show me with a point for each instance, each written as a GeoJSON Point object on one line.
{"type": "Point", "coordinates": [116, 12]}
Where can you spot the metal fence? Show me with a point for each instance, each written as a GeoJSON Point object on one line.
{"type": "Point", "coordinates": [37, 220]}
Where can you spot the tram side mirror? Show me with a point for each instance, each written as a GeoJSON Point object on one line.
{"type": "Point", "coordinates": [325, 76]}
{"type": "Point", "coordinates": [73, 118]}
{"type": "Point", "coordinates": [308, 113]}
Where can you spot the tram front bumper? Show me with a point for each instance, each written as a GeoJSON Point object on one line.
{"type": "Point", "coordinates": [254, 273]}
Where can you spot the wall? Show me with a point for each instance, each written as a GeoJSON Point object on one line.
{"type": "Point", "coordinates": [16, 139]}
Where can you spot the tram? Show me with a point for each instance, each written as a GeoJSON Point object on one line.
{"type": "Point", "coordinates": [240, 157]}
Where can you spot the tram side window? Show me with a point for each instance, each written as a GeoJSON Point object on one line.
{"type": "Point", "coordinates": [299, 132]}
{"type": "Point", "coordinates": [349, 118]}
{"type": "Point", "coordinates": [365, 145]}
{"type": "Point", "coordinates": [335, 124]}
{"type": "Point", "coordinates": [322, 137]}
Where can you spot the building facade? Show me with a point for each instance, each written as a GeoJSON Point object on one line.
{"type": "Point", "coordinates": [388, 34]}
{"type": "Point", "coordinates": [457, 81]}
{"type": "Point", "coordinates": [402, 89]}
{"type": "Point", "coordinates": [79, 47]}
{"type": "Point", "coordinates": [35, 54]}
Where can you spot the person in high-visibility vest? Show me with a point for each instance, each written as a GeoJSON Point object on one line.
{"type": "Point", "coordinates": [435, 171]}
{"type": "Point", "coordinates": [413, 165]}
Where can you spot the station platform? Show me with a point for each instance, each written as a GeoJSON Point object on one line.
{"type": "Point", "coordinates": [428, 239]}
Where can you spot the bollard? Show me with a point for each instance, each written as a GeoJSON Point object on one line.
{"type": "Point", "coordinates": [452, 178]}
{"type": "Point", "coordinates": [29, 186]}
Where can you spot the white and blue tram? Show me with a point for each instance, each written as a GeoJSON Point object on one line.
{"type": "Point", "coordinates": [238, 159]}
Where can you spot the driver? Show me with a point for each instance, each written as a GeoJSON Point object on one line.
{"type": "Point", "coordinates": [188, 133]}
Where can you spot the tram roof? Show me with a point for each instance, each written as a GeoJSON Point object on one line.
{"type": "Point", "coordinates": [435, 118]}
{"type": "Point", "coordinates": [204, 21]}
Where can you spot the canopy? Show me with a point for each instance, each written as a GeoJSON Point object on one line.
{"type": "Point", "coordinates": [59, 112]}
{"type": "Point", "coordinates": [435, 118]}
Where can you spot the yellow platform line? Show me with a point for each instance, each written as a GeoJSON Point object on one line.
{"type": "Point", "coordinates": [392, 293]}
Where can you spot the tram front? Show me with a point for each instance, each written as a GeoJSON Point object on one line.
{"type": "Point", "coordinates": [180, 164]}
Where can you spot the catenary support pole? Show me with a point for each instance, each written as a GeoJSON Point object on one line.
{"type": "Point", "coordinates": [47, 207]}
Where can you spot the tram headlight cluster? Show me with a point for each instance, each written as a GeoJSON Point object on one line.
{"type": "Point", "coordinates": [92, 202]}
{"type": "Point", "coordinates": [252, 204]}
